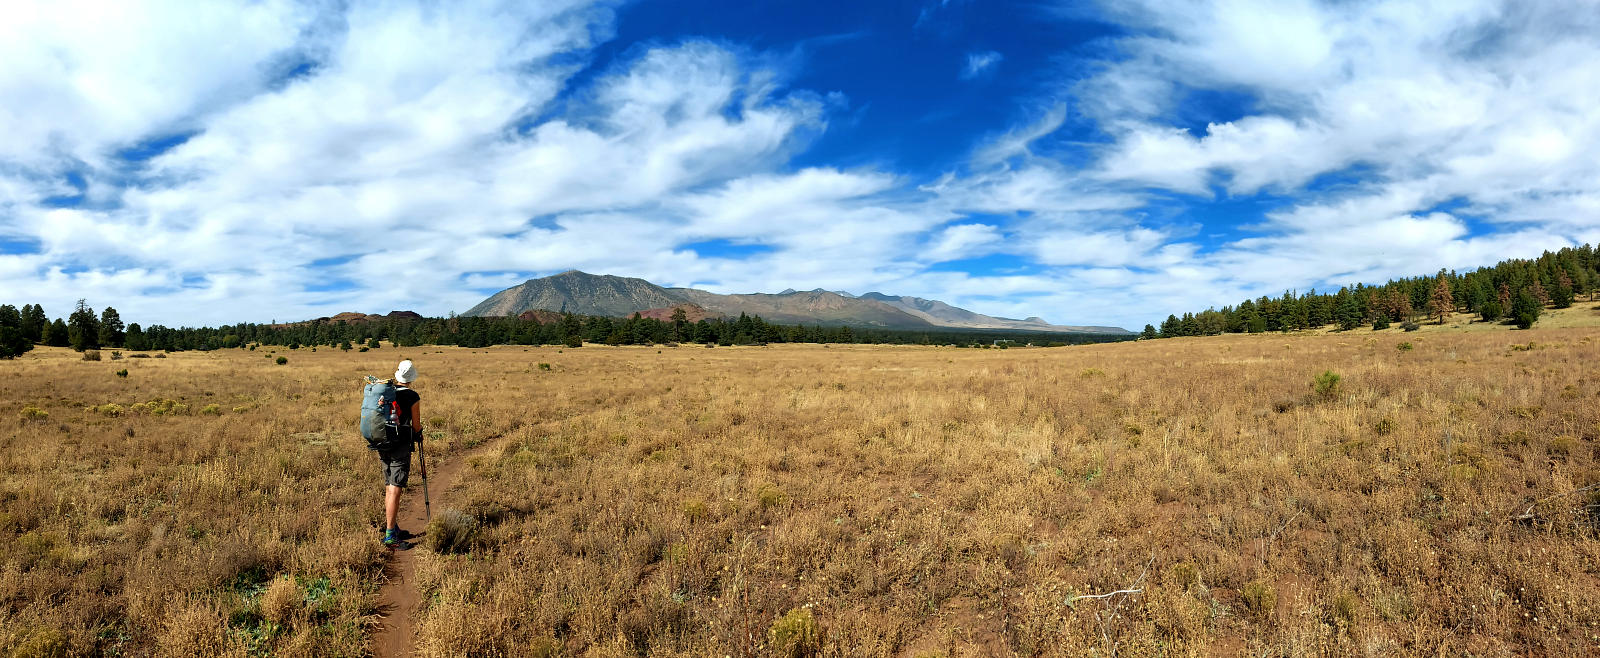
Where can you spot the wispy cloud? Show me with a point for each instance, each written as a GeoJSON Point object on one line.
{"type": "Point", "coordinates": [980, 63]}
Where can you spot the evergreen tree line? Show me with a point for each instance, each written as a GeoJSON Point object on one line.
{"type": "Point", "coordinates": [84, 330]}
{"type": "Point", "coordinates": [21, 329]}
{"type": "Point", "coordinates": [1512, 291]}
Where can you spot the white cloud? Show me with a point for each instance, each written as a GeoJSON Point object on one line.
{"type": "Point", "coordinates": [963, 241]}
{"type": "Point", "coordinates": [1483, 105]}
{"type": "Point", "coordinates": [457, 141]}
{"type": "Point", "coordinates": [980, 63]}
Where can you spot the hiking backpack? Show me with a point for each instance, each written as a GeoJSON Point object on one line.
{"type": "Point", "coordinates": [380, 414]}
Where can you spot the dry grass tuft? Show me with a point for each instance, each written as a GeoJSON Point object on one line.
{"type": "Point", "coordinates": [281, 600]}
{"type": "Point", "coordinates": [452, 531]}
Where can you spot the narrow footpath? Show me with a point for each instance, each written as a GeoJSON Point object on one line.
{"type": "Point", "coordinates": [398, 598]}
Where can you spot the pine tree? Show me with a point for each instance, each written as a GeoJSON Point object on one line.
{"type": "Point", "coordinates": [1537, 290]}
{"type": "Point", "coordinates": [1349, 314]}
{"type": "Point", "coordinates": [34, 322]}
{"type": "Point", "coordinates": [1399, 306]}
{"type": "Point", "coordinates": [135, 340]}
{"type": "Point", "coordinates": [1170, 327]}
{"type": "Point", "coordinates": [1505, 297]}
{"type": "Point", "coordinates": [1441, 304]}
{"type": "Point", "coordinates": [12, 342]}
{"type": "Point", "coordinates": [11, 317]}
{"type": "Point", "coordinates": [110, 333]}
{"type": "Point", "coordinates": [1564, 292]}
{"type": "Point", "coordinates": [1491, 310]}
{"type": "Point", "coordinates": [1526, 310]}
{"type": "Point", "coordinates": [83, 330]}
{"type": "Point", "coordinates": [57, 335]}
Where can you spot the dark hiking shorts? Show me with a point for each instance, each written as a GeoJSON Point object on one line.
{"type": "Point", "coordinates": [396, 466]}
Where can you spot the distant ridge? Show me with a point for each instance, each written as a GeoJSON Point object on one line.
{"type": "Point", "coordinates": [945, 315]}
{"type": "Point", "coordinates": [577, 292]}
{"type": "Point", "coordinates": [350, 317]}
{"type": "Point", "coordinates": [592, 294]}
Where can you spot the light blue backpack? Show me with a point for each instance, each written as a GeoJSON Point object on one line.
{"type": "Point", "coordinates": [380, 414]}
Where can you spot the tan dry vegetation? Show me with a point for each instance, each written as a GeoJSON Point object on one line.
{"type": "Point", "coordinates": [208, 503]}
{"type": "Point", "coordinates": [803, 500]}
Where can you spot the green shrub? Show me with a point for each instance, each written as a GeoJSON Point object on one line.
{"type": "Point", "coordinates": [1404, 347]}
{"type": "Point", "coordinates": [769, 496]}
{"type": "Point", "coordinates": [1259, 599]}
{"type": "Point", "coordinates": [110, 409]}
{"type": "Point", "coordinates": [1326, 385]}
{"type": "Point", "coordinates": [282, 360]}
{"type": "Point", "coordinates": [372, 343]}
{"type": "Point", "coordinates": [795, 634]}
{"type": "Point", "coordinates": [1490, 311]}
{"type": "Point", "coordinates": [160, 407]}
{"type": "Point", "coordinates": [212, 409]}
{"type": "Point", "coordinates": [574, 341]}
{"type": "Point", "coordinates": [34, 413]}
{"type": "Point", "coordinates": [363, 348]}
{"type": "Point", "coordinates": [1562, 446]}
{"type": "Point", "coordinates": [91, 355]}
{"type": "Point", "coordinates": [1380, 324]}
{"type": "Point", "coordinates": [1410, 326]}
{"type": "Point", "coordinates": [123, 373]}
{"type": "Point", "coordinates": [43, 643]}
{"type": "Point", "coordinates": [694, 510]}
{"type": "Point", "coordinates": [544, 366]}
{"type": "Point", "coordinates": [1346, 611]}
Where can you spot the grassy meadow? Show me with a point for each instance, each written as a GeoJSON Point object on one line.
{"type": "Point", "coordinates": [835, 501]}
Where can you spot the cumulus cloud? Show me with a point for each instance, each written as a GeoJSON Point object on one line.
{"type": "Point", "coordinates": [418, 155]}
{"type": "Point", "coordinates": [1404, 107]}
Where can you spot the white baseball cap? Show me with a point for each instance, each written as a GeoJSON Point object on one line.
{"type": "Point", "coordinates": [406, 372]}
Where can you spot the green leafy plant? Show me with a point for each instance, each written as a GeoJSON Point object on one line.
{"type": "Point", "coordinates": [796, 634]}
{"type": "Point", "coordinates": [1326, 385]}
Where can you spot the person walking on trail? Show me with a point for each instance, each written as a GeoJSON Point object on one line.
{"type": "Point", "coordinates": [397, 459]}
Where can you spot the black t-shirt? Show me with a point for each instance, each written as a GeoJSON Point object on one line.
{"type": "Point", "coordinates": [407, 398]}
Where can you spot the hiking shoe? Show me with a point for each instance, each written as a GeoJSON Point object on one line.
{"type": "Point", "coordinates": [391, 537]}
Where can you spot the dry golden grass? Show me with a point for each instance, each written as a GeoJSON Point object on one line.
{"type": "Point", "coordinates": [808, 500]}
{"type": "Point", "coordinates": [206, 503]}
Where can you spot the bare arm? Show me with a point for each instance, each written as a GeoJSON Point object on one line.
{"type": "Point", "coordinates": [416, 419]}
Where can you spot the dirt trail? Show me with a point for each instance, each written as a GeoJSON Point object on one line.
{"type": "Point", "coordinates": [398, 598]}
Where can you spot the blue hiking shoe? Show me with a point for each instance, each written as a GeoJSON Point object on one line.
{"type": "Point", "coordinates": [391, 537]}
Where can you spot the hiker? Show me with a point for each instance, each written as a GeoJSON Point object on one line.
{"type": "Point", "coordinates": [397, 458]}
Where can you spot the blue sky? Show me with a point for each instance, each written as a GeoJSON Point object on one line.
{"type": "Point", "coordinates": [1087, 163]}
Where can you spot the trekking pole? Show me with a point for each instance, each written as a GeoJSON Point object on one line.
{"type": "Point", "coordinates": [422, 460]}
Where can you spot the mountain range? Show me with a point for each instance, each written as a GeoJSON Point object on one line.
{"type": "Point", "coordinates": [591, 294]}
